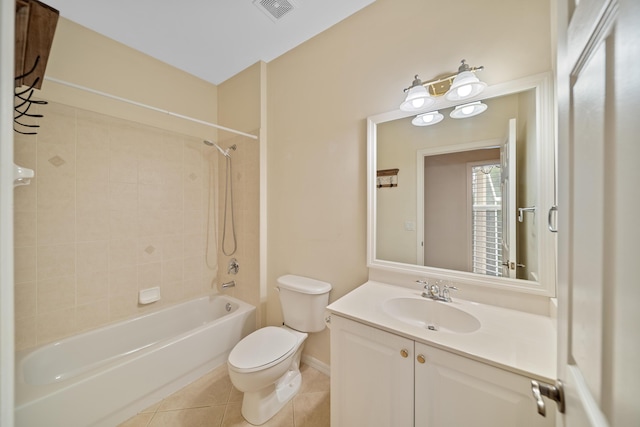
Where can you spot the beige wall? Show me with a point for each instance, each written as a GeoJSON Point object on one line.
{"type": "Point", "coordinates": [319, 95]}
{"type": "Point", "coordinates": [85, 58]}
{"type": "Point", "coordinates": [119, 202]}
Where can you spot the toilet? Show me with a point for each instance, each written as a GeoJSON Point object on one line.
{"type": "Point", "coordinates": [265, 365]}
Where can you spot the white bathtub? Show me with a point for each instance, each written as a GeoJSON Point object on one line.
{"type": "Point", "coordinates": [105, 376]}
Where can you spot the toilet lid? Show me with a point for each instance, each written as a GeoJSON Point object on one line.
{"type": "Point", "coordinates": [262, 347]}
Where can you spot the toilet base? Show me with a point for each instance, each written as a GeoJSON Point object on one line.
{"type": "Point", "coordinates": [260, 406]}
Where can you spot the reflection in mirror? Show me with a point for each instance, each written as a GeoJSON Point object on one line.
{"type": "Point", "coordinates": [461, 186]}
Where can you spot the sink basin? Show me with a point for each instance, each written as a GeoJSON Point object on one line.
{"type": "Point", "coordinates": [432, 315]}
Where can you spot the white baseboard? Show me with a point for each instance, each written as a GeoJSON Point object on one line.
{"type": "Point", "coordinates": [316, 364]}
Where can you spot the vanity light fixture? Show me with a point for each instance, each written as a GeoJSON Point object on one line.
{"type": "Point", "coordinates": [427, 119]}
{"type": "Point", "coordinates": [468, 110]}
{"type": "Point", "coordinates": [454, 87]}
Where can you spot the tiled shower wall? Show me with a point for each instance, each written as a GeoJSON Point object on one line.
{"type": "Point", "coordinates": [115, 207]}
{"type": "Point", "coordinates": [245, 177]}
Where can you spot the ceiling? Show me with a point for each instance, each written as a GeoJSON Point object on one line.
{"type": "Point", "coordinates": [210, 39]}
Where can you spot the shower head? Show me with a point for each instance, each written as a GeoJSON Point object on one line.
{"type": "Point", "coordinates": [223, 152]}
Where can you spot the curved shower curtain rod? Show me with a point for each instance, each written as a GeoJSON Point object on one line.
{"type": "Point", "coordinates": [149, 107]}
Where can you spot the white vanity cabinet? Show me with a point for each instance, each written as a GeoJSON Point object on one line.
{"type": "Point", "coordinates": [382, 379]}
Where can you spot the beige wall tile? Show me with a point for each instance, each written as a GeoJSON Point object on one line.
{"type": "Point", "coordinates": [56, 294]}
{"type": "Point", "coordinates": [173, 221]}
{"type": "Point", "coordinates": [25, 264]}
{"type": "Point", "coordinates": [58, 126]}
{"type": "Point", "coordinates": [25, 197]}
{"type": "Point", "coordinates": [194, 245]}
{"type": "Point", "coordinates": [56, 226]}
{"type": "Point", "coordinates": [195, 221]}
{"type": "Point", "coordinates": [56, 161]}
{"type": "Point", "coordinates": [26, 297]}
{"type": "Point", "coordinates": [172, 247]}
{"type": "Point", "coordinates": [172, 271]}
{"type": "Point", "coordinates": [55, 325]}
{"type": "Point", "coordinates": [56, 193]}
{"type": "Point", "coordinates": [92, 315]}
{"type": "Point", "coordinates": [123, 160]}
{"type": "Point", "coordinates": [92, 196]}
{"type": "Point", "coordinates": [172, 291]}
{"type": "Point", "coordinates": [150, 197]}
{"type": "Point", "coordinates": [92, 286]}
{"type": "Point", "coordinates": [123, 196]}
{"type": "Point", "coordinates": [26, 333]}
{"type": "Point", "coordinates": [56, 261]}
{"type": "Point", "coordinates": [92, 146]}
{"type": "Point", "coordinates": [193, 268]}
{"type": "Point", "coordinates": [149, 250]}
{"type": "Point", "coordinates": [122, 253]}
{"type": "Point", "coordinates": [192, 288]}
{"type": "Point", "coordinates": [25, 152]}
{"type": "Point", "coordinates": [149, 275]}
{"type": "Point", "coordinates": [93, 225]}
{"type": "Point", "coordinates": [123, 280]}
{"type": "Point", "coordinates": [123, 305]}
{"type": "Point", "coordinates": [123, 224]}
{"type": "Point", "coordinates": [24, 229]}
{"type": "Point", "coordinates": [92, 256]}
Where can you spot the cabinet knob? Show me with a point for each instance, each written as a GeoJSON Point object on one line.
{"type": "Point", "coordinates": [421, 358]}
{"type": "Point", "coordinates": [404, 352]}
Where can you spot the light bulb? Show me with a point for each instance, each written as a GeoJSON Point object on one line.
{"type": "Point", "coordinates": [427, 119]}
{"type": "Point", "coordinates": [417, 103]}
{"type": "Point", "coordinates": [464, 91]}
{"type": "Point", "coordinates": [468, 109]}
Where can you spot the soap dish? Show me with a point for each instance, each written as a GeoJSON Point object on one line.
{"type": "Point", "coordinates": [147, 296]}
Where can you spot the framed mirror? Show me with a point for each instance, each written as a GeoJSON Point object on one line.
{"type": "Point", "coordinates": [469, 199]}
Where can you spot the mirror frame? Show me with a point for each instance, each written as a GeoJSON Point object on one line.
{"type": "Point", "coordinates": [546, 183]}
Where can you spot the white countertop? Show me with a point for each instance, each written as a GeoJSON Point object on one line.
{"type": "Point", "coordinates": [520, 342]}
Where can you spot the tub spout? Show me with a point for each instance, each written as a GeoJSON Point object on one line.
{"type": "Point", "coordinates": [230, 284]}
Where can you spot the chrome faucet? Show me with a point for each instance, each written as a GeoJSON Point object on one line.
{"type": "Point", "coordinates": [230, 284]}
{"type": "Point", "coordinates": [435, 292]}
{"type": "Point", "coordinates": [233, 266]}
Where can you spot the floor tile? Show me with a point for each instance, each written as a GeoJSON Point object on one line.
{"type": "Point", "coordinates": [212, 401]}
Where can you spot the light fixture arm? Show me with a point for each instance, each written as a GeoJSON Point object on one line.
{"type": "Point", "coordinates": [448, 78]}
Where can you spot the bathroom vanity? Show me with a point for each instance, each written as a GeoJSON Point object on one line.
{"type": "Point", "coordinates": [400, 359]}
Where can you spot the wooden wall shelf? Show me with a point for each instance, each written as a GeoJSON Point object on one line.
{"type": "Point", "coordinates": [35, 26]}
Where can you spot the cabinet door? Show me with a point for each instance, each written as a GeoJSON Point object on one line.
{"type": "Point", "coordinates": [371, 376]}
{"type": "Point", "coordinates": [455, 391]}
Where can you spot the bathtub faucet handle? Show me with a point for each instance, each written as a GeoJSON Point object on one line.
{"type": "Point", "coordinates": [230, 284]}
{"type": "Point", "coordinates": [233, 266]}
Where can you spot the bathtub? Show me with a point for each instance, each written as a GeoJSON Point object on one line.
{"type": "Point", "coordinates": [105, 376]}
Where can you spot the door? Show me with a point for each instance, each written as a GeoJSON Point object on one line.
{"type": "Point", "coordinates": [598, 232]}
{"type": "Point", "coordinates": [508, 184]}
{"type": "Point", "coordinates": [372, 376]}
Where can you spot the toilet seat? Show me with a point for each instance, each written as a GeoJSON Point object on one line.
{"type": "Point", "coordinates": [262, 349]}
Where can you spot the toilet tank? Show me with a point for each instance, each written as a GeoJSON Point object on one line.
{"type": "Point", "coordinates": [303, 302]}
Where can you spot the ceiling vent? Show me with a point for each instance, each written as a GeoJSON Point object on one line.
{"type": "Point", "coordinates": [275, 9]}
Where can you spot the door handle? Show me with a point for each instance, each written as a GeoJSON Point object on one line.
{"type": "Point", "coordinates": [551, 227]}
{"type": "Point", "coordinates": [553, 392]}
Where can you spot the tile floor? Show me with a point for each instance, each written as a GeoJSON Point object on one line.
{"type": "Point", "coordinates": [212, 401]}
